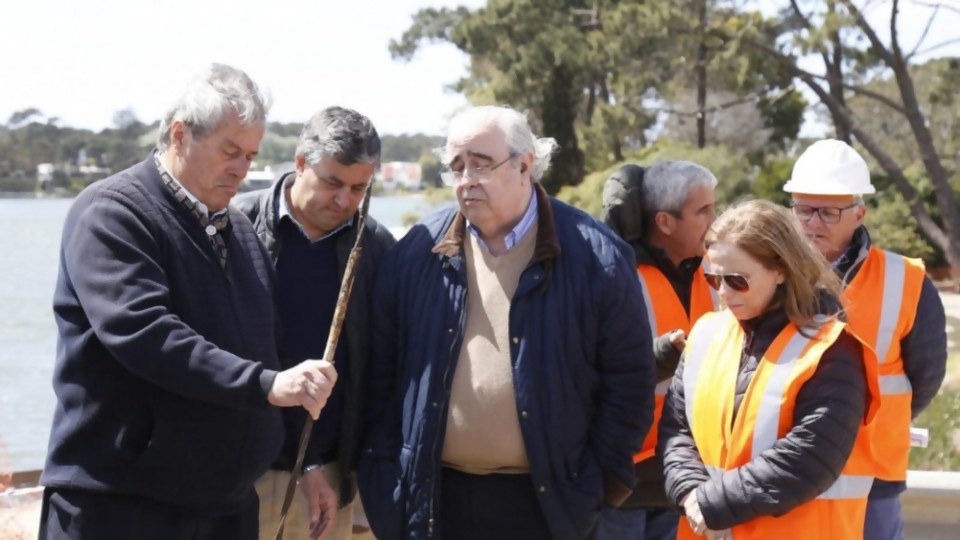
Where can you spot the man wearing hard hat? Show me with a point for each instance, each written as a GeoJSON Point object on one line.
{"type": "Point", "coordinates": [890, 304]}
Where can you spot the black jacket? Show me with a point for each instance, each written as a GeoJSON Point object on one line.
{"type": "Point", "coordinates": [924, 348]}
{"type": "Point", "coordinates": [259, 207]}
{"type": "Point", "coordinates": [164, 359]}
{"type": "Point", "coordinates": [801, 465]}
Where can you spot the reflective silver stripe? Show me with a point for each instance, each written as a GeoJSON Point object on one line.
{"type": "Point", "coordinates": [891, 385]}
{"type": "Point", "coordinates": [662, 387]}
{"type": "Point", "coordinates": [768, 412]}
{"type": "Point", "coordinates": [894, 272]}
{"type": "Point", "coordinates": [714, 472]}
{"type": "Point", "coordinates": [651, 316]}
{"type": "Point", "coordinates": [693, 358]}
{"type": "Point", "coordinates": [849, 487]}
{"type": "Point", "coordinates": [714, 295]}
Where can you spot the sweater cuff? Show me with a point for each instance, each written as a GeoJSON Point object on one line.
{"type": "Point", "coordinates": [266, 379]}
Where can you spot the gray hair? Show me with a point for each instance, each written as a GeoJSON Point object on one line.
{"type": "Point", "coordinates": [516, 130]}
{"type": "Point", "coordinates": [214, 93]}
{"type": "Point", "coordinates": [342, 134]}
{"type": "Point", "coordinates": [667, 184]}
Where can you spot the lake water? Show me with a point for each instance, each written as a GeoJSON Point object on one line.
{"type": "Point", "coordinates": [29, 245]}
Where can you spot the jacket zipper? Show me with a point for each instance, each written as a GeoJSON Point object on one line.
{"type": "Point", "coordinates": [431, 522]}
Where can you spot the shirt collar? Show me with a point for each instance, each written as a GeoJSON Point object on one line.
{"type": "Point", "coordinates": [204, 211]}
{"type": "Point", "coordinates": [514, 236]}
{"type": "Point", "coordinates": [284, 210]}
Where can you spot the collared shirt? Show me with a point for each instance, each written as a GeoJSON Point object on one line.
{"type": "Point", "coordinates": [200, 206]}
{"type": "Point", "coordinates": [283, 211]}
{"type": "Point", "coordinates": [527, 221]}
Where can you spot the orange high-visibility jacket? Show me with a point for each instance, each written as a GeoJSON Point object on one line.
{"type": "Point", "coordinates": [725, 442]}
{"type": "Point", "coordinates": [881, 305]}
{"type": "Point", "coordinates": [665, 314]}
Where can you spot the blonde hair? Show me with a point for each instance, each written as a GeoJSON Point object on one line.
{"type": "Point", "coordinates": [771, 234]}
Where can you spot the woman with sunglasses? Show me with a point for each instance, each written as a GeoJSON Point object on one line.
{"type": "Point", "coordinates": [765, 428]}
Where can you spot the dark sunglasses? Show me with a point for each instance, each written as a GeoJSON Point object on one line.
{"type": "Point", "coordinates": [734, 281]}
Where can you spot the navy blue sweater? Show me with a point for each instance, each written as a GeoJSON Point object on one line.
{"type": "Point", "coordinates": [308, 284]}
{"type": "Point", "coordinates": [164, 359]}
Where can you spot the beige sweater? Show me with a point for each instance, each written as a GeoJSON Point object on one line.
{"type": "Point", "coordinates": [483, 427]}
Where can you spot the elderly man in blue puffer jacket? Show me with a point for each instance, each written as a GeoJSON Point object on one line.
{"type": "Point", "coordinates": [512, 377]}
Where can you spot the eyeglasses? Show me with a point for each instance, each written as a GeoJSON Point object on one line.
{"type": "Point", "coordinates": [734, 281]}
{"type": "Point", "coordinates": [480, 173]}
{"type": "Point", "coordinates": [828, 214]}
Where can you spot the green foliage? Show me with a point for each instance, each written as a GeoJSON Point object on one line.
{"type": "Point", "coordinates": [894, 228]}
{"type": "Point", "coordinates": [30, 139]}
{"type": "Point", "coordinates": [18, 184]}
{"type": "Point", "coordinates": [942, 417]}
{"type": "Point", "coordinates": [559, 116]}
{"type": "Point", "coordinates": [783, 115]}
{"type": "Point", "coordinates": [768, 184]}
{"type": "Point", "coordinates": [430, 170]}
{"type": "Point", "coordinates": [588, 195]}
{"type": "Point", "coordinates": [276, 148]}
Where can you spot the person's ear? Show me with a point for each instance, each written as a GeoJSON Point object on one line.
{"type": "Point", "coordinates": [301, 164]}
{"type": "Point", "coordinates": [664, 222]}
{"type": "Point", "coordinates": [179, 134]}
{"type": "Point", "coordinates": [861, 212]}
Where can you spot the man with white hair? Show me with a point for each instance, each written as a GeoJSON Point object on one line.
{"type": "Point", "coordinates": [512, 377]}
{"type": "Point", "coordinates": [663, 212]}
{"type": "Point", "coordinates": [889, 302]}
{"type": "Point", "coordinates": [167, 356]}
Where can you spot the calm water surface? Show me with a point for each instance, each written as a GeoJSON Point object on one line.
{"type": "Point", "coordinates": [29, 243]}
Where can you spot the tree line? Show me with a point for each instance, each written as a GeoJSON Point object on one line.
{"type": "Point", "coordinates": [81, 156]}
{"type": "Point", "coordinates": [729, 85]}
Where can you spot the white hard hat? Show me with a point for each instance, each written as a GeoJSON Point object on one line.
{"type": "Point", "coordinates": [830, 167]}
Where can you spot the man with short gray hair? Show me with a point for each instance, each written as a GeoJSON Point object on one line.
{"type": "Point", "coordinates": [167, 355]}
{"type": "Point", "coordinates": [512, 376]}
{"type": "Point", "coordinates": [308, 222]}
{"type": "Point", "coordinates": [663, 212]}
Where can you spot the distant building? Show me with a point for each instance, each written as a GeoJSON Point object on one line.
{"type": "Point", "coordinates": [45, 172]}
{"type": "Point", "coordinates": [404, 174]}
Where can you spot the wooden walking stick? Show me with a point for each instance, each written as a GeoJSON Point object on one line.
{"type": "Point", "coordinates": [346, 287]}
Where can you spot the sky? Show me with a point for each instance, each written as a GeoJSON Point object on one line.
{"type": "Point", "coordinates": [81, 61]}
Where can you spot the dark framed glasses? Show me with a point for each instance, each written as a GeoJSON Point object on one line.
{"type": "Point", "coordinates": [828, 214]}
{"type": "Point", "coordinates": [734, 281]}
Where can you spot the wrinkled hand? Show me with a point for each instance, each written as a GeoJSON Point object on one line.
{"type": "Point", "coordinates": [694, 516]}
{"type": "Point", "coordinates": [321, 501]}
{"type": "Point", "coordinates": [678, 338]}
{"type": "Point", "coordinates": [719, 535]}
{"type": "Point", "coordinates": [307, 384]}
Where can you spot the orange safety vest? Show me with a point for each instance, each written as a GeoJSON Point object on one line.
{"type": "Point", "coordinates": [665, 314]}
{"type": "Point", "coordinates": [725, 442]}
{"type": "Point", "coordinates": [881, 305]}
